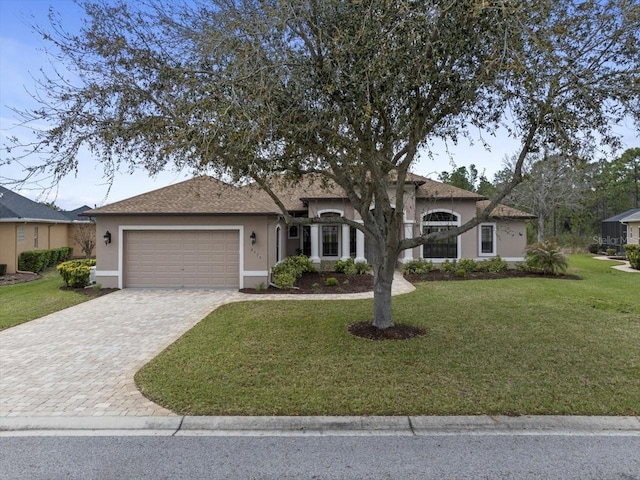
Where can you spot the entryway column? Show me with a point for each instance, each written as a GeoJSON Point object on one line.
{"type": "Point", "coordinates": [346, 242]}
{"type": "Point", "coordinates": [315, 233]}
{"type": "Point", "coordinates": [408, 233]}
{"type": "Point", "coordinates": [360, 246]}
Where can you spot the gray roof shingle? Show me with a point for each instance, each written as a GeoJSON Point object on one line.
{"type": "Point", "coordinates": [16, 207]}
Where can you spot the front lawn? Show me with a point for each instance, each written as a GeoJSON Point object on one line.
{"type": "Point", "coordinates": [26, 301]}
{"type": "Point", "coordinates": [508, 346]}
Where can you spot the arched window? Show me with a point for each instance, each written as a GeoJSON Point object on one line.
{"type": "Point", "coordinates": [439, 221]}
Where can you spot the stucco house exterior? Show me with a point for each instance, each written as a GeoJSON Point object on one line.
{"type": "Point", "coordinates": [27, 225]}
{"type": "Point", "coordinates": [207, 234]}
{"type": "Point", "coordinates": [632, 221]}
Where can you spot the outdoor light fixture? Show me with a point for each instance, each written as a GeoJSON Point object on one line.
{"type": "Point", "coordinates": [252, 237]}
{"type": "Point", "coordinates": [107, 238]}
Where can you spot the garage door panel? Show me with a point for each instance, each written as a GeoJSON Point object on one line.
{"type": "Point", "coordinates": [206, 259]}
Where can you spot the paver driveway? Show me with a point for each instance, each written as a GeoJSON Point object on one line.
{"type": "Point", "coordinates": [81, 361]}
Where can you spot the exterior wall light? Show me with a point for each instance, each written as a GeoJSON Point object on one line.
{"type": "Point", "coordinates": [252, 237]}
{"type": "Point", "coordinates": [107, 238]}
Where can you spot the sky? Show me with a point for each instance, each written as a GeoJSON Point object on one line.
{"type": "Point", "coordinates": [21, 58]}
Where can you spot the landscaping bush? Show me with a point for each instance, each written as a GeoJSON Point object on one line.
{"type": "Point", "coordinates": [594, 248]}
{"type": "Point", "coordinates": [75, 273]}
{"type": "Point", "coordinates": [633, 255]}
{"type": "Point", "coordinates": [345, 266]}
{"type": "Point", "coordinates": [493, 265]}
{"type": "Point", "coordinates": [418, 267]}
{"type": "Point", "coordinates": [286, 272]}
{"type": "Point", "coordinates": [546, 258]}
{"type": "Point", "coordinates": [362, 268]}
{"type": "Point", "coordinates": [33, 261]}
{"type": "Point", "coordinates": [468, 265]}
{"type": "Point", "coordinates": [331, 282]}
{"type": "Point", "coordinates": [611, 251]}
{"type": "Point", "coordinates": [448, 266]}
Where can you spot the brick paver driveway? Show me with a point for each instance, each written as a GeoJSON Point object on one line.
{"type": "Point", "coordinates": [81, 361]}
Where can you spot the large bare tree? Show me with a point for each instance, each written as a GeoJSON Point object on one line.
{"type": "Point", "coordinates": [348, 90]}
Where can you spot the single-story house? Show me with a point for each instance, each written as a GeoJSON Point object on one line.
{"type": "Point", "coordinates": [206, 233]}
{"type": "Point", "coordinates": [27, 225]}
{"type": "Point", "coordinates": [621, 229]}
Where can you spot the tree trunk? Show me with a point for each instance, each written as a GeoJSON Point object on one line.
{"type": "Point", "coordinates": [383, 270]}
{"type": "Point", "coordinates": [541, 222]}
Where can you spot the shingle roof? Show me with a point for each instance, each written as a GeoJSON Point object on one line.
{"type": "Point", "coordinates": [437, 190]}
{"type": "Point", "coordinates": [16, 207]}
{"type": "Point", "coordinates": [503, 211]}
{"type": "Point", "coordinates": [76, 215]}
{"type": "Point", "coordinates": [197, 196]}
{"type": "Point", "coordinates": [623, 217]}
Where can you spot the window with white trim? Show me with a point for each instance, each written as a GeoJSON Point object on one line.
{"type": "Point", "coordinates": [278, 243]}
{"type": "Point", "coordinates": [294, 231]}
{"type": "Point", "coordinates": [440, 221]}
{"type": "Point", "coordinates": [487, 239]}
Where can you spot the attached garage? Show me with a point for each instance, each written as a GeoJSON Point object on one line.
{"type": "Point", "coordinates": [181, 258]}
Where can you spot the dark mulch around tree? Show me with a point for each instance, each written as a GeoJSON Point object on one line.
{"type": "Point", "coordinates": [445, 276]}
{"type": "Point", "coordinates": [90, 291]}
{"type": "Point", "coordinates": [315, 283]}
{"type": "Point", "coordinates": [14, 278]}
{"type": "Point", "coordinates": [397, 332]}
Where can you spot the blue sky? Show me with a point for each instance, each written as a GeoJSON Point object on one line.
{"type": "Point", "coordinates": [21, 58]}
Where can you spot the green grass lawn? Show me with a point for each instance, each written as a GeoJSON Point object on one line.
{"type": "Point", "coordinates": [513, 346]}
{"type": "Point", "coordinates": [27, 301]}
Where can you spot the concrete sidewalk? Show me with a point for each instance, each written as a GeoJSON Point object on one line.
{"type": "Point", "coordinates": [316, 426]}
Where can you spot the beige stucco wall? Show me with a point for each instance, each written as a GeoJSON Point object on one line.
{"type": "Point", "coordinates": [77, 248]}
{"type": "Point", "coordinates": [511, 238]}
{"type": "Point", "coordinates": [256, 258]}
{"type": "Point", "coordinates": [49, 236]}
{"type": "Point", "coordinates": [633, 233]}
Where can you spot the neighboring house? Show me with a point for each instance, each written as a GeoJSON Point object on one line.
{"type": "Point", "coordinates": [206, 233]}
{"type": "Point", "coordinates": [621, 229]}
{"type": "Point", "coordinates": [27, 225]}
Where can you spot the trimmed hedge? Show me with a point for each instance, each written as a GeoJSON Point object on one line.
{"type": "Point", "coordinates": [75, 273]}
{"type": "Point", "coordinates": [37, 260]}
{"type": "Point", "coordinates": [633, 255]}
{"type": "Point", "coordinates": [349, 267]}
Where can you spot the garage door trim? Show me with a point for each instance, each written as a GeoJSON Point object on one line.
{"type": "Point", "coordinates": [123, 228]}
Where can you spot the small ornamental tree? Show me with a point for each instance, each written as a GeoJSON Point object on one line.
{"type": "Point", "coordinates": [257, 90]}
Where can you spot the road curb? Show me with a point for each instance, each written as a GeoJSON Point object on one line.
{"type": "Point", "coordinates": [323, 425]}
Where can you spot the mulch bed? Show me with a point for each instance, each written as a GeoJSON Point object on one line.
{"type": "Point", "coordinates": [445, 276]}
{"type": "Point", "coordinates": [91, 292]}
{"type": "Point", "coordinates": [14, 278]}
{"type": "Point", "coordinates": [397, 332]}
{"type": "Point", "coordinates": [314, 283]}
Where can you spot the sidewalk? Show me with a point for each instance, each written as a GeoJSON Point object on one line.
{"type": "Point", "coordinates": [625, 267]}
{"type": "Point", "coordinates": [317, 426]}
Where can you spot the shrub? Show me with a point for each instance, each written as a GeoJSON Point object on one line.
{"type": "Point", "coordinates": [286, 272]}
{"type": "Point", "coordinates": [75, 273]}
{"type": "Point", "coordinates": [461, 272]}
{"type": "Point", "coordinates": [493, 265]}
{"type": "Point", "coordinates": [260, 287]}
{"type": "Point", "coordinates": [33, 261]}
{"type": "Point", "coordinates": [345, 266]}
{"type": "Point", "coordinates": [468, 265]}
{"type": "Point", "coordinates": [331, 282]}
{"type": "Point", "coordinates": [611, 251]}
{"type": "Point", "coordinates": [594, 248]}
{"type": "Point", "coordinates": [418, 267]}
{"type": "Point", "coordinates": [633, 255]}
{"type": "Point", "coordinates": [546, 258]}
{"type": "Point", "coordinates": [362, 268]}
{"type": "Point", "coordinates": [448, 266]}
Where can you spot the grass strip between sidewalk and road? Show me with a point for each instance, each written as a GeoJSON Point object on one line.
{"type": "Point", "coordinates": [514, 346]}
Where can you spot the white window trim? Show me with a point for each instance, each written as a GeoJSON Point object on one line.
{"type": "Point", "coordinates": [494, 240]}
{"type": "Point", "coordinates": [321, 239]}
{"type": "Point", "coordinates": [457, 223]}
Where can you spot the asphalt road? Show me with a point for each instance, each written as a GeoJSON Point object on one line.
{"type": "Point", "coordinates": [447, 456]}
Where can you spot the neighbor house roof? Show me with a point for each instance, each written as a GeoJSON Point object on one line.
{"type": "Point", "coordinates": [504, 211]}
{"type": "Point", "coordinates": [16, 208]}
{"type": "Point", "coordinates": [76, 215]}
{"type": "Point", "coordinates": [197, 196]}
{"type": "Point", "coordinates": [629, 216]}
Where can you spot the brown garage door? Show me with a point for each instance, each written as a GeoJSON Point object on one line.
{"type": "Point", "coordinates": [185, 258]}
